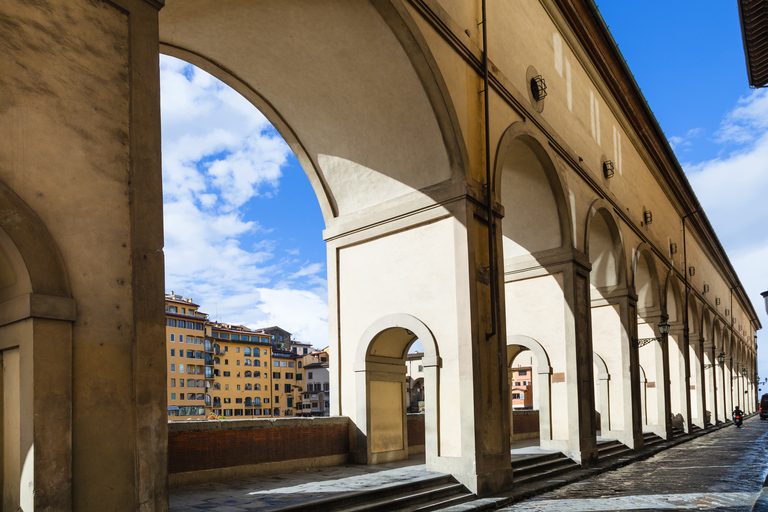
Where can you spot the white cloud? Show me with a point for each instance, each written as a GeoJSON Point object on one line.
{"type": "Point", "coordinates": [219, 154]}
{"type": "Point", "coordinates": [684, 142]}
{"type": "Point", "coordinates": [733, 190]}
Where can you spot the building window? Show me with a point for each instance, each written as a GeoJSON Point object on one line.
{"type": "Point", "coordinates": [298, 376]}
{"type": "Point", "coordinates": [227, 400]}
{"type": "Point", "coordinates": [173, 367]}
{"type": "Point", "coordinates": [266, 400]}
{"type": "Point", "coordinates": [181, 383]}
{"type": "Point", "coordinates": [257, 387]}
{"type": "Point", "coordinates": [256, 362]}
{"type": "Point", "coordinates": [173, 396]}
{"type": "Point", "coordinates": [277, 388]}
{"type": "Point", "coordinates": [277, 399]}
{"type": "Point", "coordinates": [309, 375]}
{"type": "Point", "coordinates": [173, 337]}
{"type": "Point", "coordinates": [287, 388]}
{"type": "Point", "coordinates": [181, 396]}
{"type": "Point", "coordinates": [237, 349]}
{"type": "Point", "coordinates": [173, 352]}
{"type": "Point", "coordinates": [275, 375]}
{"type": "Point", "coordinates": [247, 351]}
{"type": "Point", "coordinates": [226, 387]}
{"type": "Point", "coordinates": [226, 361]}
{"type": "Point", "coordinates": [181, 368]}
{"type": "Point", "coordinates": [190, 354]}
{"type": "Point", "coordinates": [226, 374]}
{"type": "Point", "coordinates": [238, 387]}
{"type": "Point", "coordinates": [181, 338]}
{"type": "Point", "coordinates": [238, 362]}
{"type": "Point", "coordinates": [238, 400]}
{"type": "Point", "coordinates": [522, 373]}
{"type": "Point", "coordinates": [299, 364]}
{"type": "Point", "coordinates": [247, 374]}
{"type": "Point", "coordinates": [288, 375]}
{"type": "Point", "coordinates": [290, 364]}
{"type": "Point", "coordinates": [173, 383]}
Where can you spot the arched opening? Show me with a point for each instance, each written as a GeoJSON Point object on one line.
{"type": "Point", "coordinates": [540, 274]}
{"type": "Point", "coordinates": [382, 391]}
{"type": "Point", "coordinates": [531, 402]}
{"type": "Point", "coordinates": [614, 316]}
{"type": "Point", "coordinates": [602, 396]}
{"type": "Point", "coordinates": [677, 353]}
{"type": "Point", "coordinates": [650, 356]}
{"type": "Point", "coordinates": [36, 315]}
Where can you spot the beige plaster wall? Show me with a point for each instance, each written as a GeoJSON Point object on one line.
{"type": "Point", "coordinates": [375, 281]}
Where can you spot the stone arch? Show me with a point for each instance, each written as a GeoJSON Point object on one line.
{"type": "Point", "coordinates": [355, 153]}
{"type": "Point", "coordinates": [531, 189]}
{"type": "Point", "coordinates": [36, 315]}
{"type": "Point", "coordinates": [673, 302]}
{"type": "Point", "coordinates": [645, 280]}
{"type": "Point", "coordinates": [604, 246]}
{"type": "Point", "coordinates": [604, 399]}
{"type": "Point", "coordinates": [544, 384]}
{"type": "Point", "coordinates": [380, 370]}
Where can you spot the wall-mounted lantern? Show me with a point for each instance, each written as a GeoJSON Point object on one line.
{"type": "Point", "coordinates": [720, 361]}
{"type": "Point", "coordinates": [673, 248]}
{"type": "Point", "coordinates": [691, 271]}
{"type": "Point", "coordinates": [538, 88]}
{"type": "Point", "coordinates": [706, 288]}
{"type": "Point", "coordinates": [648, 216]}
{"type": "Point", "coordinates": [744, 372]}
{"type": "Point", "coordinates": [717, 301]}
{"type": "Point", "coordinates": [663, 329]}
{"type": "Point", "coordinates": [727, 312]}
{"type": "Point", "coordinates": [608, 169]}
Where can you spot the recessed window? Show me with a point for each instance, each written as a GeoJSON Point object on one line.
{"type": "Point", "coordinates": [173, 337]}
{"type": "Point", "coordinates": [173, 367]}
{"type": "Point", "coordinates": [173, 396]}
{"type": "Point", "coordinates": [181, 338]}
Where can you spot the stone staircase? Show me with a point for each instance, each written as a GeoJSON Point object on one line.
{"type": "Point", "coordinates": [417, 496]}
{"type": "Point", "coordinates": [541, 467]}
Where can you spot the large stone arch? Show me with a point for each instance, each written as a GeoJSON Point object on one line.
{"type": "Point", "coordinates": [603, 232]}
{"type": "Point", "coordinates": [293, 62]}
{"type": "Point", "coordinates": [36, 315]}
{"type": "Point", "coordinates": [380, 370]}
{"type": "Point", "coordinates": [614, 320]}
{"type": "Point", "coordinates": [532, 190]}
{"type": "Point", "coordinates": [645, 281]}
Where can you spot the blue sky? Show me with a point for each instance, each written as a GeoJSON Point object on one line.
{"type": "Point", "coordinates": [244, 229]}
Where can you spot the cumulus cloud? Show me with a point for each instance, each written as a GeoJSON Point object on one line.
{"type": "Point", "coordinates": [732, 189]}
{"type": "Point", "coordinates": [219, 155]}
{"type": "Point", "coordinates": [684, 142]}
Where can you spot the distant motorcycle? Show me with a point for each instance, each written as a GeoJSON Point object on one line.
{"type": "Point", "coordinates": [738, 418]}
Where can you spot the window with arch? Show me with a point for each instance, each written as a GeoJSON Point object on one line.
{"type": "Point", "coordinates": [216, 385]}
{"type": "Point", "coordinates": [247, 351]}
{"type": "Point", "coordinates": [248, 387]}
{"type": "Point", "coordinates": [257, 387]}
{"type": "Point", "coordinates": [256, 362]}
{"type": "Point", "coordinates": [247, 375]}
{"type": "Point", "coordinates": [256, 400]}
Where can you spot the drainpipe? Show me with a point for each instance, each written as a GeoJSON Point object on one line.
{"type": "Point", "coordinates": [488, 183]}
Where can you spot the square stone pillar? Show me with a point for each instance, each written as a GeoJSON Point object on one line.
{"type": "Point", "coordinates": [579, 374]}
{"type": "Point", "coordinates": [663, 402]}
{"type": "Point", "coordinates": [633, 418]}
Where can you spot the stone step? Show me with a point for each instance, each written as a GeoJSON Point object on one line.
{"type": "Point", "coordinates": [542, 467]}
{"type": "Point", "coordinates": [380, 498]}
{"type": "Point", "coordinates": [432, 498]}
{"type": "Point", "coordinates": [611, 449]}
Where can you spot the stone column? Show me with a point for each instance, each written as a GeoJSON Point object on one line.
{"type": "Point", "coordinates": [664, 427]}
{"type": "Point", "coordinates": [579, 374]}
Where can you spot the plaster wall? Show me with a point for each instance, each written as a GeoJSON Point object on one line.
{"type": "Point", "coordinates": [374, 282]}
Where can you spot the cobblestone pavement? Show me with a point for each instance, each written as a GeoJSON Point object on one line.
{"type": "Point", "coordinates": [722, 471]}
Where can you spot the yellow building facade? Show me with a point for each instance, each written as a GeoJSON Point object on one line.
{"type": "Point", "coordinates": [185, 352]}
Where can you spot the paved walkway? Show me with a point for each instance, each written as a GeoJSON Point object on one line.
{"type": "Point", "coordinates": [271, 492]}
{"type": "Point", "coordinates": [722, 471]}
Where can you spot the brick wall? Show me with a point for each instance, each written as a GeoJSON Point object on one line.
{"type": "Point", "coordinates": [525, 422]}
{"type": "Point", "coordinates": [415, 430]}
{"type": "Point", "coordinates": [201, 445]}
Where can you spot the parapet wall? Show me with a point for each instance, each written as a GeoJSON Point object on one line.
{"type": "Point", "coordinates": [199, 451]}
